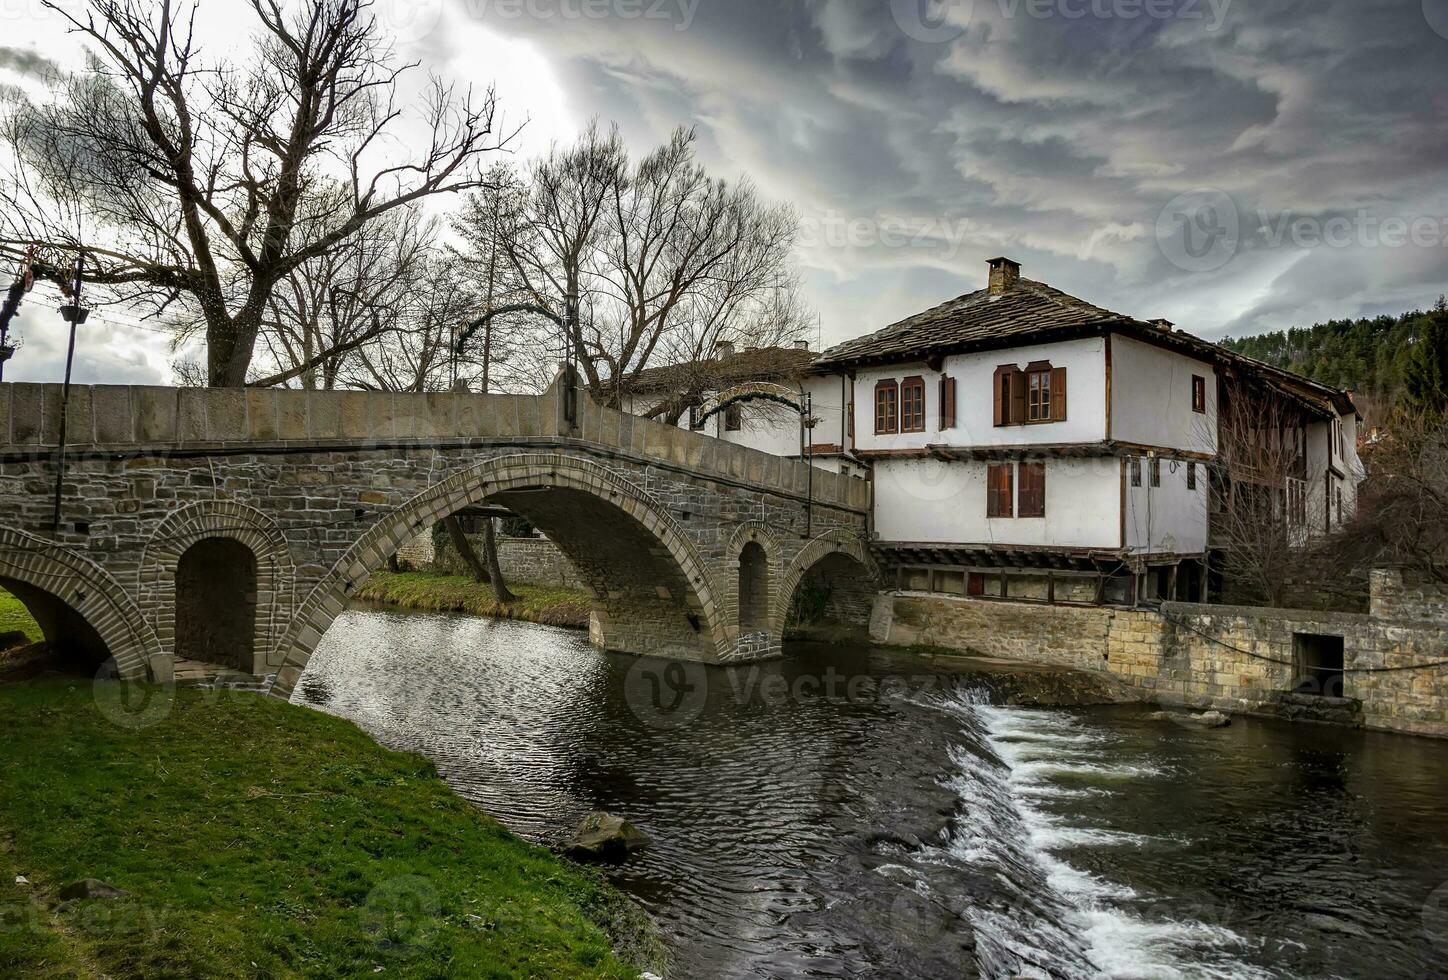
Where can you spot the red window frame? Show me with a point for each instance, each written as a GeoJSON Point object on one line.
{"type": "Point", "coordinates": [1000, 490]}
{"type": "Point", "coordinates": [1032, 491]}
{"type": "Point", "coordinates": [1038, 395]}
{"type": "Point", "coordinates": [912, 405]}
{"type": "Point", "coordinates": [887, 407]}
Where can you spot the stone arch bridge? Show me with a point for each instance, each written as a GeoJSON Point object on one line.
{"type": "Point", "coordinates": [231, 525]}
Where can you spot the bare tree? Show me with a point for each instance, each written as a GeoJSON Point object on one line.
{"type": "Point", "coordinates": [192, 183]}
{"type": "Point", "coordinates": [1261, 508]}
{"type": "Point", "coordinates": [641, 263]}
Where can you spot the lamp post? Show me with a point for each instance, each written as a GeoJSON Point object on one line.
{"type": "Point", "coordinates": [74, 314]}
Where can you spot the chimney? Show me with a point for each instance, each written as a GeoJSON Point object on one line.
{"type": "Point", "coordinates": [725, 348]}
{"type": "Point", "coordinates": [1162, 324]}
{"type": "Point", "coordinates": [1003, 274]}
{"type": "Point", "coordinates": [801, 345]}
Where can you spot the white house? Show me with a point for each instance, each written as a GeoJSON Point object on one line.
{"type": "Point", "coordinates": [1024, 443]}
{"type": "Point", "coordinates": [769, 398]}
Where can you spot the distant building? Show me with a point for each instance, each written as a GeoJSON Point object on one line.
{"type": "Point", "coordinates": [1024, 443]}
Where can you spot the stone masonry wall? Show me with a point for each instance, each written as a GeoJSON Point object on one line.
{"type": "Point", "coordinates": [531, 561]}
{"type": "Point", "coordinates": [324, 486]}
{"type": "Point", "coordinates": [1232, 658]}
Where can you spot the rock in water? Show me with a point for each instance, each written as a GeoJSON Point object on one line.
{"type": "Point", "coordinates": [1212, 719]}
{"type": "Point", "coordinates": [604, 837]}
{"type": "Point", "coordinates": [90, 888]}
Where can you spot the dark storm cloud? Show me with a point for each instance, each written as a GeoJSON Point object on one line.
{"type": "Point", "coordinates": [26, 62]}
{"type": "Point", "coordinates": [1054, 130]}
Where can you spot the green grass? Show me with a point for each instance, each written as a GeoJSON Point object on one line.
{"type": "Point", "coordinates": [261, 839]}
{"type": "Point", "coordinates": [13, 616]}
{"type": "Point", "coordinates": [553, 605]}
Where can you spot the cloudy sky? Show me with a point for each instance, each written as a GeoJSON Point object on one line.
{"type": "Point", "coordinates": [1233, 166]}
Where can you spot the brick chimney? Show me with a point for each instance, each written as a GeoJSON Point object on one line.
{"type": "Point", "coordinates": [725, 348]}
{"type": "Point", "coordinates": [1003, 274]}
{"type": "Point", "coordinates": [801, 345]}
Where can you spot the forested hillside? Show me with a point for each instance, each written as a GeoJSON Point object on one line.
{"type": "Point", "coordinates": [1369, 356]}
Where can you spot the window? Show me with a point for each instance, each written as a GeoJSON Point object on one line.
{"type": "Point", "coordinates": [1000, 490]}
{"type": "Point", "coordinates": [887, 406]}
{"type": "Point", "coordinates": [912, 405]}
{"type": "Point", "coordinates": [1037, 394]}
{"type": "Point", "coordinates": [1033, 490]}
{"type": "Point", "coordinates": [1199, 393]}
{"type": "Point", "coordinates": [734, 418]}
{"type": "Point", "coordinates": [1135, 464]}
{"type": "Point", "coordinates": [1191, 476]}
{"type": "Point", "coordinates": [947, 402]}
{"type": "Point", "coordinates": [1339, 506]}
{"type": "Point", "coordinates": [1156, 471]}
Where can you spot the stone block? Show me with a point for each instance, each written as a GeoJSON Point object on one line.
{"type": "Point", "coordinates": [380, 412]}
{"type": "Point", "coordinates": [226, 414]}
{"type": "Point", "coordinates": [191, 414]}
{"type": "Point", "coordinates": [156, 410]}
{"type": "Point", "coordinates": [261, 414]}
{"type": "Point", "coordinates": [292, 415]}
{"type": "Point", "coordinates": [26, 415]}
{"type": "Point", "coordinates": [114, 416]}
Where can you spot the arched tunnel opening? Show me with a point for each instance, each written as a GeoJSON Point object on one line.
{"type": "Point", "coordinates": [73, 645]}
{"type": "Point", "coordinates": [644, 603]}
{"type": "Point", "coordinates": [832, 600]}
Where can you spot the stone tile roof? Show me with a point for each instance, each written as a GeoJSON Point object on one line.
{"type": "Point", "coordinates": [1025, 308]}
{"type": "Point", "coordinates": [758, 364]}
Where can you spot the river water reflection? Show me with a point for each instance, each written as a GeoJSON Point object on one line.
{"type": "Point", "coordinates": [848, 812]}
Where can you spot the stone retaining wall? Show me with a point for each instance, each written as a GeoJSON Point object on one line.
{"type": "Point", "coordinates": [529, 561]}
{"type": "Point", "coordinates": [1233, 658]}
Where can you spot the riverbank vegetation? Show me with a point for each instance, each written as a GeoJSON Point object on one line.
{"type": "Point", "coordinates": [14, 617]}
{"type": "Point", "coordinates": [256, 838]}
{"type": "Point", "coordinates": [551, 605]}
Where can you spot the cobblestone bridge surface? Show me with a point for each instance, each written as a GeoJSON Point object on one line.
{"type": "Point", "coordinates": [232, 525]}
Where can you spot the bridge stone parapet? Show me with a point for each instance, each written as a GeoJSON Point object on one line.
{"type": "Point", "coordinates": [316, 490]}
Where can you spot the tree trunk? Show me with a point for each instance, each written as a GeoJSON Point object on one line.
{"type": "Point", "coordinates": [464, 547]}
{"type": "Point", "coordinates": [490, 549]}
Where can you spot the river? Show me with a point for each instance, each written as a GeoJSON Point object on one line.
{"type": "Point", "coordinates": [847, 812]}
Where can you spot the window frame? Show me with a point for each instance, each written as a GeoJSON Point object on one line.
{"type": "Point", "coordinates": [734, 418]}
{"type": "Point", "coordinates": [1199, 394]}
{"type": "Point", "coordinates": [1133, 470]}
{"type": "Point", "coordinates": [1155, 469]}
{"type": "Point", "coordinates": [1039, 403]}
{"type": "Point", "coordinates": [887, 424]}
{"type": "Point", "coordinates": [915, 385]}
{"type": "Point", "coordinates": [1191, 474]}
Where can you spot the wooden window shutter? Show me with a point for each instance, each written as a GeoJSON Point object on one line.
{"type": "Point", "coordinates": [1058, 394]}
{"type": "Point", "coordinates": [999, 490]}
{"type": "Point", "coordinates": [1018, 396]}
{"type": "Point", "coordinates": [947, 402]}
{"type": "Point", "coordinates": [1000, 393]}
{"type": "Point", "coordinates": [1033, 490]}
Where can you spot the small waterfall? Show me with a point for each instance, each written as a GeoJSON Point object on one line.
{"type": "Point", "coordinates": [1050, 919]}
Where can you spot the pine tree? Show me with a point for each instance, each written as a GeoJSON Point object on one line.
{"type": "Point", "coordinates": [1425, 374]}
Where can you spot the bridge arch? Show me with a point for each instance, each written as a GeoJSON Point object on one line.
{"type": "Point", "coordinates": [838, 560]}
{"type": "Point", "coordinates": [652, 591]}
{"type": "Point", "coordinates": [75, 599]}
{"type": "Point", "coordinates": [223, 520]}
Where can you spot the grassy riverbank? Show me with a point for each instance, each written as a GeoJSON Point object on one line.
{"type": "Point", "coordinates": [13, 616]}
{"type": "Point", "coordinates": [261, 839]}
{"type": "Point", "coordinates": [549, 604]}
